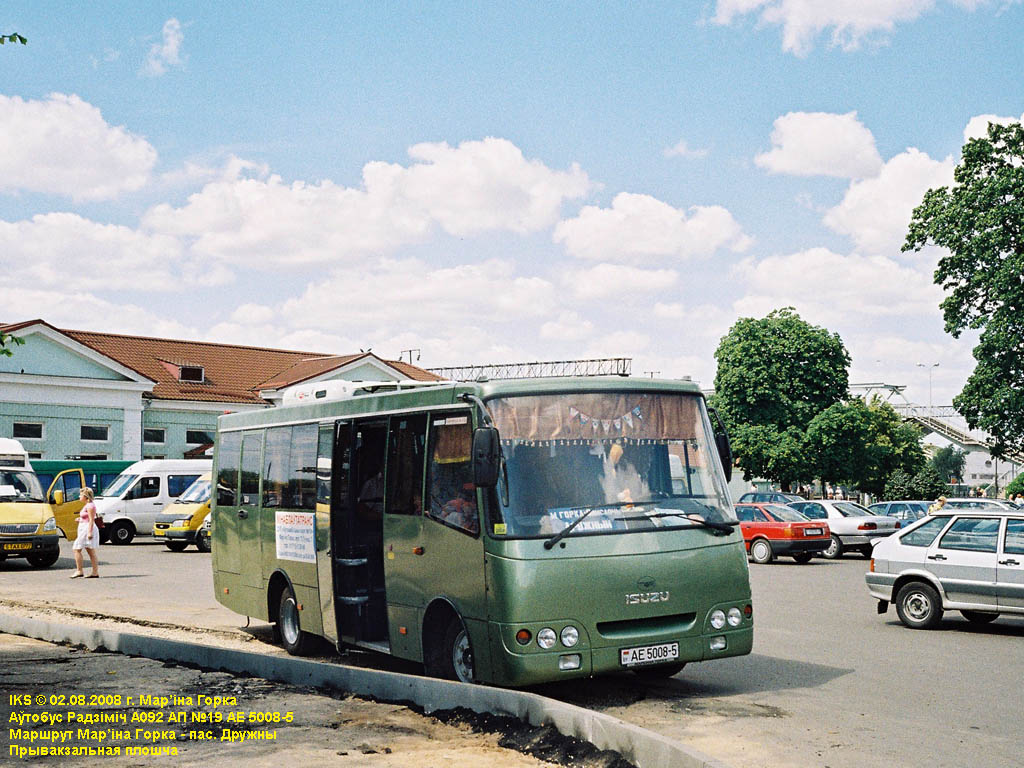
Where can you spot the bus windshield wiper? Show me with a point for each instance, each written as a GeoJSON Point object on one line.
{"type": "Point", "coordinates": [568, 529]}
{"type": "Point", "coordinates": [715, 526]}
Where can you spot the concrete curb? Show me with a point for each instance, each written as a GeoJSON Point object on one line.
{"type": "Point", "coordinates": [644, 748]}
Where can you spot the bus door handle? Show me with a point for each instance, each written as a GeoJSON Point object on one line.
{"type": "Point", "coordinates": [242, 514]}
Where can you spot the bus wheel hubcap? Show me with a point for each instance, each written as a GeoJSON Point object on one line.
{"type": "Point", "coordinates": [462, 658]}
{"type": "Point", "coordinates": [289, 623]}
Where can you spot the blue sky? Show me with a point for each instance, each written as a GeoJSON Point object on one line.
{"type": "Point", "coordinates": [494, 182]}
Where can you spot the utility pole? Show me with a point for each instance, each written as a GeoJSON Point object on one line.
{"type": "Point", "coordinates": [930, 368]}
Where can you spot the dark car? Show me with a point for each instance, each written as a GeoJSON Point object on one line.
{"type": "Point", "coordinates": [768, 497]}
{"type": "Point", "coordinates": [904, 511]}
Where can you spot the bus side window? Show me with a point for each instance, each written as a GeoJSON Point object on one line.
{"type": "Point", "coordinates": [228, 455]}
{"type": "Point", "coordinates": [302, 467]}
{"type": "Point", "coordinates": [276, 458]}
{"type": "Point", "coordinates": [451, 493]}
{"type": "Point", "coordinates": [406, 449]}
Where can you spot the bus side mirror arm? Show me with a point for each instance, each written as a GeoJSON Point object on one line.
{"type": "Point", "coordinates": [723, 444]}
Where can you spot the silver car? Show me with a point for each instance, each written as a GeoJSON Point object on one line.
{"type": "Point", "coordinates": [853, 526]}
{"type": "Point", "coordinates": [968, 560]}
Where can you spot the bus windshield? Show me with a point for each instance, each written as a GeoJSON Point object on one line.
{"type": "Point", "coordinates": [119, 486]}
{"type": "Point", "coordinates": [627, 461]}
{"type": "Point", "coordinates": [19, 486]}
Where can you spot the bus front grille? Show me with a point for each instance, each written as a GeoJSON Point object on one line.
{"type": "Point", "coordinates": [654, 625]}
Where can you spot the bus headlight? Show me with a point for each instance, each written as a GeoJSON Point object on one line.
{"type": "Point", "coordinates": [546, 638]}
{"type": "Point", "coordinates": [570, 636]}
{"type": "Point", "coordinates": [717, 619]}
{"type": "Point", "coordinates": [50, 524]}
{"type": "Point", "coordinates": [180, 523]}
{"type": "Point", "coordinates": [735, 617]}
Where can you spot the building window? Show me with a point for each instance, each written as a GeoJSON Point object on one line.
{"type": "Point", "coordinates": [197, 437]}
{"type": "Point", "coordinates": [25, 430]}
{"type": "Point", "coordinates": [32, 456]}
{"type": "Point", "coordinates": [152, 435]}
{"type": "Point", "coordinates": [95, 432]}
{"type": "Point", "coordinates": [192, 373]}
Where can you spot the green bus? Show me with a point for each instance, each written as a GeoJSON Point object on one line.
{"type": "Point", "coordinates": [509, 532]}
{"type": "Point", "coordinates": [98, 473]}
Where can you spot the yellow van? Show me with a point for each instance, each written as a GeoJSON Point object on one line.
{"type": "Point", "coordinates": [32, 522]}
{"type": "Point", "coordinates": [181, 522]}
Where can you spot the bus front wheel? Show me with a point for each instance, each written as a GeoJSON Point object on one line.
{"type": "Point", "coordinates": [294, 640]}
{"type": "Point", "coordinates": [457, 661]}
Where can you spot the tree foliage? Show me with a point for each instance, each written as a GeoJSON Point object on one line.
{"type": "Point", "coordinates": [13, 38]}
{"type": "Point", "coordinates": [836, 441]}
{"type": "Point", "coordinates": [898, 486]}
{"type": "Point", "coordinates": [7, 341]}
{"type": "Point", "coordinates": [775, 374]}
{"type": "Point", "coordinates": [980, 223]}
{"type": "Point", "coordinates": [928, 484]}
{"type": "Point", "coordinates": [1015, 486]}
{"type": "Point", "coordinates": [949, 463]}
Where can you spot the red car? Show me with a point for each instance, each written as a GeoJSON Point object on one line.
{"type": "Point", "coordinates": [777, 529]}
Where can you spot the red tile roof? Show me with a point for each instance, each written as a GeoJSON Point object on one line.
{"type": "Point", "coordinates": [233, 373]}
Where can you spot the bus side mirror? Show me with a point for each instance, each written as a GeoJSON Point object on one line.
{"type": "Point", "coordinates": [722, 444]}
{"type": "Point", "coordinates": [486, 457]}
{"type": "Point", "coordinates": [58, 497]}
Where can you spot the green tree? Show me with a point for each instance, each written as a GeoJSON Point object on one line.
{"type": "Point", "coordinates": [836, 442]}
{"type": "Point", "coordinates": [980, 223]}
{"type": "Point", "coordinates": [928, 484]}
{"type": "Point", "coordinates": [7, 341]}
{"type": "Point", "coordinates": [898, 486]}
{"type": "Point", "coordinates": [893, 445]}
{"type": "Point", "coordinates": [775, 374]}
{"type": "Point", "coordinates": [1015, 486]}
{"type": "Point", "coordinates": [949, 462]}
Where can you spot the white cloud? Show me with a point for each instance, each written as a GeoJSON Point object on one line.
{"type": "Point", "coordinates": [849, 22]}
{"type": "Point", "coordinates": [682, 149]}
{"type": "Point", "coordinates": [568, 327]}
{"type": "Point", "coordinates": [167, 53]}
{"type": "Point", "coordinates": [63, 146]}
{"type": "Point", "coordinates": [641, 228]}
{"type": "Point", "coordinates": [977, 127]}
{"type": "Point", "coordinates": [876, 212]}
{"type": "Point", "coordinates": [619, 344]}
{"type": "Point", "coordinates": [476, 187]}
{"type": "Point", "coordinates": [66, 250]}
{"type": "Point", "coordinates": [617, 280]}
{"type": "Point", "coordinates": [821, 144]}
{"type": "Point", "coordinates": [830, 289]}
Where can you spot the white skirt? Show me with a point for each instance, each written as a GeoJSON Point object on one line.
{"type": "Point", "coordinates": [84, 540]}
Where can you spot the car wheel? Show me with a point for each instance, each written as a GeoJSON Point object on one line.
{"type": "Point", "coordinates": [176, 546]}
{"type": "Point", "coordinates": [803, 557]}
{"type": "Point", "coordinates": [979, 617]}
{"type": "Point", "coordinates": [761, 551]}
{"type": "Point", "coordinates": [121, 532]}
{"type": "Point", "coordinates": [835, 549]}
{"type": "Point", "coordinates": [294, 640]}
{"type": "Point", "coordinates": [43, 561]}
{"type": "Point", "coordinates": [457, 658]}
{"type": "Point", "coordinates": [660, 671]}
{"type": "Point", "coordinates": [203, 540]}
{"type": "Point", "coordinates": [919, 605]}
{"type": "Point", "coordinates": [866, 552]}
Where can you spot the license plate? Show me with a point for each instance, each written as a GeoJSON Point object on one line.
{"type": "Point", "coordinates": [813, 531]}
{"type": "Point", "coordinates": [648, 654]}
{"type": "Point", "coordinates": [25, 545]}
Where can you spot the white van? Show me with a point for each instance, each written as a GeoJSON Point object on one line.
{"type": "Point", "coordinates": [131, 503]}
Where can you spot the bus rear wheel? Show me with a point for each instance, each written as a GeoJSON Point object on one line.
{"type": "Point", "coordinates": [121, 532]}
{"type": "Point", "coordinates": [294, 640]}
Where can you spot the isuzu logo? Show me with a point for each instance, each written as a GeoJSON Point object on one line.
{"type": "Point", "coordinates": [638, 598]}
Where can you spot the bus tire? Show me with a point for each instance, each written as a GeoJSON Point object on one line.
{"type": "Point", "coordinates": [294, 640]}
{"type": "Point", "coordinates": [43, 561]}
{"type": "Point", "coordinates": [203, 540]}
{"type": "Point", "coordinates": [176, 546]}
{"type": "Point", "coordinates": [121, 532]}
{"type": "Point", "coordinates": [457, 658]}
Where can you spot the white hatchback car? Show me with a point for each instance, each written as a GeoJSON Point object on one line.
{"type": "Point", "coordinates": [969, 560]}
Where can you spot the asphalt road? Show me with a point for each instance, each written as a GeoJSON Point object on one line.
{"type": "Point", "coordinates": [830, 683]}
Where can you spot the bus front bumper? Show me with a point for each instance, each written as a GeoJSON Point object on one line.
{"type": "Point", "coordinates": [529, 668]}
{"type": "Point", "coordinates": [22, 546]}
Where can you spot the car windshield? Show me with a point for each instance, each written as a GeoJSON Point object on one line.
{"type": "Point", "coordinates": [628, 461]}
{"type": "Point", "coordinates": [849, 509]}
{"type": "Point", "coordinates": [19, 486]}
{"type": "Point", "coordinates": [120, 484]}
{"type": "Point", "coordinates": [197, 493]}
{"type": "Point", "coordinates": [784, 513]}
